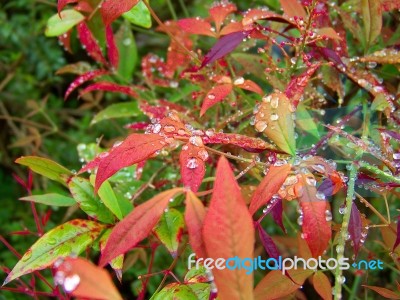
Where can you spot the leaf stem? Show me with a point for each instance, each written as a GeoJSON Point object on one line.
{"type": "Point", "coordinates": [337, 290]}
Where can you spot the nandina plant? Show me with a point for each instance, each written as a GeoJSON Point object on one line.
{"type": "Point", "coordinates": [260, 133]}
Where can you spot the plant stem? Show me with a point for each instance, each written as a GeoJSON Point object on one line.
{"type": "Point", "coordinates": [344, 232]}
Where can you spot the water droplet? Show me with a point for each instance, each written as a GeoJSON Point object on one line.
{"type": "Point", "coordinates": [274, 117]}
{"type": "Point", "coordinates": [342, 209]}
{"type": "Point", "coordinates": [320, 195]}
{"type": "Point", "coordinates": [300, 220]}
{"type": "Point", "coordinates": [211, 96]}
{"type": "Point", "coordinates": [157, 128]}
{"type": "Point", "coordinates": [196, 141]}
{"type": "Point", "coordinates": [210, 132]}
{"type": "Point", "coordinates": [275, 102]}
{"type": "Point", "coordinates": [103, 154]}
{"type": "Point", "coordinates": [71, 282]}
{"type": "Point", "coordinates": [311, 181]}
{"type": "Point", "coordinates": [174, 84]}
{"type": "Point", "coordinates": [372, 64]}
{"type": "Point", "coordinates": [192, 163]}
{"type": "Point", "coordinates": [51, 241]}
{"type": "Point", "coordinates": [328, 215]}
{"type": "Point", "coordinates": [260, 126]}
{"type": "Point", "coordinates": [127, 42]}
{"type": "Point", "coordinates": [339, 249]}
{"type": "Point", "coordinates": [203, 154]}
{"type": "Point", "coordinates": [267, 99]}
{"type": "Point", "coordinates": [238, 81]}
{"type": "Point", "coordinates": [169, 128]}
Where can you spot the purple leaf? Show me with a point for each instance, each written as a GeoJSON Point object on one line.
{"type": "Point", "coordinates": [223, 46]}
{"type": "Point", "coordinates": [276, 213]}
{"type": "Point", "coordinates": [267, 242]}
{"type": "Point", "coordinates": [393, 134]}
{"type": "Point", "coordinates": [397, 242]}
{"type": "Point", "coordinates": [327, 187]}
{"type": "Point", "coordinates": [331, 55]}
{"type": "Point", "coordinates": [355, 228]}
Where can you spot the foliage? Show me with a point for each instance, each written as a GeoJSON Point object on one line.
{"type": "Point", "coordinates": [289, 111]}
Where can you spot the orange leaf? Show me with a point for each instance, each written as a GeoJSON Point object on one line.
{"type": "Point", "coordinates": [231, 27]}
{"type": "Point", "coordinates": [228, 232]}
{"type": "Point", "coordinates": [329, 32]}
{"type": "Point", "coordinates": [250, 86]}
{"type": "Point", "coordinates": [194, 216]}
{"type": "Point", "coordinates": [136, 226]}
{"type": "Point", "coordinates": [276, 285]}
{"type": "Point", "coordinates": [196, 26]}
{"type": "Point", "coordinates": [383, 292]}
{"type": "Point", "coordinates": [83, 279]}
{"type": "Point", "coordinates": [322, 285]}
{"type": "Point", "coordinates": [292, 8]}
{"type": "Point", "coordinates": [316, 229]}
{"type": "Point", "coordinates": [192, 159]}
{"type": "Point", "coordinates": [220, 11]}
{"type": "Point", "coordinates": [215, 95]}
{"type": "Point", "coordinates": [269, 186]}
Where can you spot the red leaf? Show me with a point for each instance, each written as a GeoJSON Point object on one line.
{"type": "Point", "coordinates": [293, 8]}
{"type": "Point", "coordinates": [267, 242]}
{"type": "Point", "coordinates": [83, 279]}
{"type": "Point", "coordinates": [269, 186]}
{"type": "Point", "coordinates": [90, 43]}
{"type": "Point", "coordinates": [109, 87]}
{"type": "Point", "coordinates": [220, 11]}
{"type": "Point", "coordinates": [223, 46]}
{"type": "Point", "coordinates": [194, 217]}
{"type": "Point", "coordinates": [135, 148]}
{"type": "Point", "coordinates": [355, 228]}
{"type": "Point", "coordinates": [295, 89]}
{"type": "Point", "coordinates": [316, 229]}
{"type": "Point", "coordinates": [62, 3]}
{"type": "Point", "coordinates": [250, 144]}
{"type": "Point", "coordinates": [388, 294]}
{"type": "Point", "coordinates": [196, 26]}
{"type": "Point", "coordinates": [215, 95]}
{"type": "Point", "coordinates": [112, 9]}
{"type": "Point", "coordinates": [136, 226]}
{"type": "Point", "coordinates": [228, 232]}
{"type": "Point", "coordinates": [276, 212]}
{"type": "Point", "coordinates": [112, 50]}
{"type": "Point", "coordinates": [82, 79]}
{"type": "Point", "coordinates": [191, 160]}
{"type": "Point", "coordinates": [322, 285]}
{"type": "Point", "coordinates": [397, 242]}
{"type": "Point", "coordinates": [153, 112]}
{"type": "Point", "coordinates": [250, 86]}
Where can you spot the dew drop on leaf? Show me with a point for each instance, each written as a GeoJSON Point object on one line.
{"type": "Point", "coordinates": [71, 282]}
{"type": "Point", "coordinates": [192, 163]}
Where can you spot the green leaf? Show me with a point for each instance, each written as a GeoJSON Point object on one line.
{"type": "Point", "coordinates": [57, 26]}
{"type": "Point", "coordinates": [139, 15]}
{"type": "Point", "coordinates": [45, 167]}
{"type": "Point", "coordinates": [116, 263]}
{"type": "Point", "coordinates": [195, 291]}
{"type": "Point", "coordinates": [53, 199]}
{"type": "Point", "coordinates": [169, 230]}
{"type": "Point", "coordinates": [128, 53]}
{"type": "Point", "coordinates": [306, 122]}
{"type": "Point", "coordinates": [371, 12]}
{"type": "Point", "coordinates": [69, 238]}
{"type": "Point", "coordinates": [380, 103]}
{"type": "Point", "coordinates": [119, 206]}
{"type": "Point", "coordinates": [119, 110]}
{"type": "Point", "coordinates": [83, 192]}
